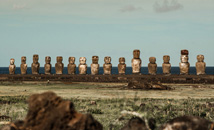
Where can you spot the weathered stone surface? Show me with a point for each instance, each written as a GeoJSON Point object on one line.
{"type": "Point", "coordinates": [35, 66]}
{"type": "Point", "coordinates": [166, 66]}
{"type": "Point", "coordinates": [136, 62]}
{"type": "Point", "coordinates": [23, 65]}
{"type": "Point", "coordinates": [48, 65]}
{"type": "Point", "coordinates": [200, 65]}
{"type": "Point", "coordinates": [152, 66]}
{"type": "Point", "coordinates": [107, 66]}
{"type": "Point", "coordinates": [122, 66]}
{"type": "Point", "coordinates": [188, 123]}
{"type": "Point", "coordinates": [82, 66]}
{"type": "Point", "coordinates": [71, 66]}
{"type": "Point", "coordinates": [59, 66]}
{"type": "Point", "coordinates": [184, 65]}
{"type": "Point", "coordinates": [95, 65]}
{"type": "Point", "coordinates": [47, 111]}
{"type": "Point", "coordinates": [12, 66]}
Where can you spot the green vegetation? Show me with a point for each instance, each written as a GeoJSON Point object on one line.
{"type": "Point", "coordinates": [108, 111]}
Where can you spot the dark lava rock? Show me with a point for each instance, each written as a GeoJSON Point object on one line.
{"type": "Point", "coordinates": [47, 111]}
{"type": "Point", "coordinates": [188, 123]}
{"type": "Point", "coordinates": [147, 85]}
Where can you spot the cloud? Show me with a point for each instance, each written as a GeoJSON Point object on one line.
{"type": "Point", "coordinates": [130, 8]}
{"type": "Point", "coordinates": [167, 6]}
{"type": "Point", "coordinates": [19, 6]}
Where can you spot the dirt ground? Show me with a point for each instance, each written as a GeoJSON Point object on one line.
{"type": "Point", "coordinates": [108, 90]}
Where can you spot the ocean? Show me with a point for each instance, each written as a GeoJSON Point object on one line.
{"type": "Point", "coordinates": [144, 70]}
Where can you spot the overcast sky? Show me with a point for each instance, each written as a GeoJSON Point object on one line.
{"type": "Point", "coordinates": [106, 28]}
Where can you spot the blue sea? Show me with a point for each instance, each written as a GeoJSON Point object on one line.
{"type": "Point", "coordinates": [144, 70]}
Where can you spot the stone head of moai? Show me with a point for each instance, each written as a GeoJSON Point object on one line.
{"type": "Point", "coordinates": [122, 60]}
{"type": "Point", "coordinates": [59, 59]}
{"type": "Point", "coordinates": [136, 54]}
{"type": "Point", "coordinates": [107, 60]}
{"type": "Point", "coordinates": [166, 58]}
{"type": "Point", "coordinates": [184, 52]}
{"type": "Point", "coordinates": [95, 59]}
{"type": "Point", "coordinates": [152, 60]}
{"type": "Point", "coordinates": [200, 58]}
{"type": "Point", "coordinates": [23, 60]}
{"type": "Point", "coordinates": [12, 61]}
{"type": "Point", "coordinates": [35, 58]}
{"type": "Point", "coordinates": [71, 60]}
{"type": "Point", "coordinates": [47, 59]}
{"type": "Point", "coordinates": [82, 60]}
{"type": "Point", "coordinates": [184, 58]}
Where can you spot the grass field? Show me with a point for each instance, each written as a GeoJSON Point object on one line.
{"type": "Point", "coordinates": [113, 99]}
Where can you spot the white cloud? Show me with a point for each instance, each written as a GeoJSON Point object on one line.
{"type": "Point", "coordinates": [130, 8]}
{"type": "Point", "coordinates": [167, 6]}
{"type": "Point", "coordinates": [19, 6]}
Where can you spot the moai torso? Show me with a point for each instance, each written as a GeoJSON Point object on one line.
{"type": "Point", "coordinates": [59, 66]}
{"type": "Point", "coordinates": [107, 66]}
{"type": "Point", "coordinates": [12, 66]}
{"type": "Point", "coordinates": [23, 65]}
{"type": "Point", "coordinates": [48, 65]}
{"type": "Point", "coordinates": [184, 64]}
{"type": "Point", "coordinates": [166, 66]}
{"type": "Point", "coordinates": [35, 65]}
{"type": "Point", "coordinates": [95, 65]}
{"type": "Point", "coordinates": [71, 65]}
{"type": "Point", "coordinates": [136, 62]}
{"type": "Point", "coordinates": [152, 66]}
{"type": "Point", "coordinates": [200, 65]}
{"type": "Point", "coordinates": [82, 66]}
{"type": "Point", "coordinates": [122, 66]}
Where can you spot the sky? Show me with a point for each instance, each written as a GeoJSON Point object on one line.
{"type": "Point", "coordinates": [83, 28]}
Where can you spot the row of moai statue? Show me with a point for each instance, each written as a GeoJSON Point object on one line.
{"type": "Point", "coordinates": [107, 66]}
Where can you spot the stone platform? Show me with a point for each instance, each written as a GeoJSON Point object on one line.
{"type": "Point", "coordinates": [206, 79]}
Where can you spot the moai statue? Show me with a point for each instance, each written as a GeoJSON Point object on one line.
{"type": "Point", "coordinates": [121, 66]}
{"type": "Point", "coordinates": [23, 65]}
{"type": "Point", "coordinates": [166, 66]}
{"type": "Point", "coordinates": [152, 66]}
{"type": "Point", "coordinates": [136, 62]}
{"type": "Point", "coordinates": [95, 65]}
{"type": "Point", "coordinates": [35, 65]}
{"type": "Point", "coordinates": [48, 65]}
{"type": "Point", "coordinates": [12, 66]}
{"type": "Point", "coordinates": [200, 65]}
{"type": "Point", "coordinates": [184, 64]}
{"type": "Point", "coordinates": [82, 66]}
{"type": "Point", "coordinates": [71, 65]}
{"type": "Point", "coordinates": [59, 66]}
{"type": "Point", "coordinates": [107, 66]}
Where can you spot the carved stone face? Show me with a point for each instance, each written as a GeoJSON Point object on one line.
{"type": "Point", "coordinates": [184, 58]}
{"type": "Point", "coordinates": [35, 58]}
{"type": "Point", "coordinates": [200, 58]}
{"type": "Point", "coordinates": [12, 61]}
{"type": "Point", "coordinates": [107, 60]}
{"type": "Point", "coordinates": [166, 58]}
{"type": "Point", "coordinates": [59, 59]}
{"type": "Point", "coordinates": [23, 60]}
{"type": "Point", "coordinates": [95, 59]}
{"type": "Point", "coordinates": [136, 54]}
{"type": "Point", "coordinates": [122, 60]}
{"type": "Point", "coordinates": [152, 60]}
{"type": "Point", "coordinates": [82, 60]}
{"type": "Point", "coordinates": [71, 60]}
{"type": "Point", "coordinates": [184, 52]}
{"type": "Point", "coordinates": [47, 59]}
